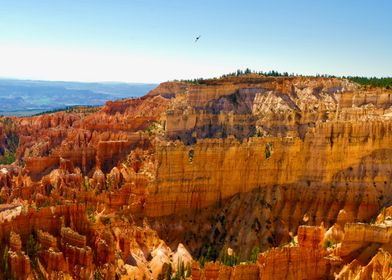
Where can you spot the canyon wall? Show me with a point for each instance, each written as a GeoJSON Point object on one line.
{"type": "Point", "coordinates": [294, 151]}
{"type": "Point", "coordinates": [239, 162]}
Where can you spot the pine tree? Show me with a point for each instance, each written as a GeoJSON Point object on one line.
{"type": "Point", "coordinates": [169, 272]}
{"type": "Point", "coordinates": [188, 271]}
{"type": "Point", "coordinates": [5, 262]}
{"type": "Point", "coordinates": [182, 272]}
{"type": "Point", "coordinates": [255, 254]}
{"type": "Point", "coordinates": [32, 248]}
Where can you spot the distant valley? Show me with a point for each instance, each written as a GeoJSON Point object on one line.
{"type": "Point", "coordinates": [29, 97]}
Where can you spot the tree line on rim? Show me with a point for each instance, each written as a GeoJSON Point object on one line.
{"type": "Point", "coordinates": [384, 82]}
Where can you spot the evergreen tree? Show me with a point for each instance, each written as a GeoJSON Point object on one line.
{"type": "Point", "coordinates": [255, 254]}
{"type": "Point", "coordinates": [32, 248]}
{"type": "Point", "coordinates": [189, 271]}
{"type": "Point", "coordinates": [169, 272]}
{"type": "Point", "coordinates": [182, 272]}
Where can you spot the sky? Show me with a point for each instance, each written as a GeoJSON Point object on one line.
{"type": "Point", "coordinates": [154, 40]}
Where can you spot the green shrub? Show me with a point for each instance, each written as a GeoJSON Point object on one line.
{"type": "Point", "coordinates": [32, 249]}
{"type": "Point", "coordinates": [206, 255]}
{"type": "Point", "coordinates": [255, 254]}
{"type": "Point", "coordinates": [189, 271]}
{"type": "Point", "coordinates": [268, 148]}
{"type": "Point", "coordinates": [91, 215]}
{"type": "Point", "coordinates": [226, 259]}
{"type": "Point", "coordinates": [328, 243]}
{"type": "Point", "coordinates": [98, 275]}
{"type": "Point", "coordinates": [11, 142]}
{"type": "Point", "coordinates": [168, 272]}
{"type": "Point", "coordinates": [8, 157]}
{"type": "Point", "coordinates": [180, 274]}
{"type": "Point", "coordinates": [4, 264]}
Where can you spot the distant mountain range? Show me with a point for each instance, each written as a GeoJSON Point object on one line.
{"type": "Point", "coordinates": [28, 97]}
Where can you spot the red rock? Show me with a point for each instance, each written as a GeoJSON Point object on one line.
{"type": "Point", "coordinates": [237, 161]}
{"type": "Point", "coordinates": [306, 261]}
{"type": "Point", "coordinates": [19, 264]}
{"type": "Point", "coordinates": [15, 242]}
{"type": "Point", "coordinates": [46, 240]}
{"type": "Point", "coordinates": [70, 237]}
{"type": "Point", "coordinates": [53, 261]}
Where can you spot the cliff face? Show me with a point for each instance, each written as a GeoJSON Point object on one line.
{"type": "Point", "coordinates": [306, 132]}
{"type": "Point", "coordinates": [236, 162]}
{"type": "Point", "coordinates": [291, 151]}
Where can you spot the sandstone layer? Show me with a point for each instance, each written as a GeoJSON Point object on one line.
{"type": "Point", "coordinates": [141, 187]}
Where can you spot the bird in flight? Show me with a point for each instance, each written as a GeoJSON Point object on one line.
{"type": "Point", "coordinates": [197, 38]}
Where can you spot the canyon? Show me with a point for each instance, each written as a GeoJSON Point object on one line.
{"type": "Point", "coordinates": [249, 177]}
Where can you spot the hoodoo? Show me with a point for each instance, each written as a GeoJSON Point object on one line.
{"type": "Point", "coordinates": [241, 177]}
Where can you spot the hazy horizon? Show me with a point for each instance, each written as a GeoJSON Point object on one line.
{"type": "Point", "coordinates": [29, 97]}
{"type": "Point", "coordinates": [74, 81]}
{"type": "Point", "coordinates": [154, 41]}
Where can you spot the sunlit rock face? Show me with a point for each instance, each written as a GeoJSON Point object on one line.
{"type": "Point", "coordinates": [142, 187]}
{"type": "Point", "coordinates": [284, 151]}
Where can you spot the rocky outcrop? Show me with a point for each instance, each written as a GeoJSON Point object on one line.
{"type": "Point", "coordinates": [217, 270]}
{"type": "Point", "coordinates": [54, 262]}
{"type": "Point", "coordinates": [303, 261]}
{"type": "Point", "coordinates": [9, 212]}
{"type": "Point", "coordinates": [87, 139]}
{"type": "Point", "coordinates": [357, 236]}
{"type": "Point", "coordinates": [19, 262]}
{"type": "Point", "coordinates": [181, 258]}
{"type": "Point", "coordinates": [378, 268]}
{"type": "Point", "coordinates": [239, 162]}
{"type": "Point", "coordinates": [70, 237]}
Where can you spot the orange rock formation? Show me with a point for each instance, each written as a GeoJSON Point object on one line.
{"type": "Point", "coordinates": [240, 162]}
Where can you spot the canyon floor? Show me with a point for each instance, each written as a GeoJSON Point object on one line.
{"type": "Point", "coordinates": [250, 177]}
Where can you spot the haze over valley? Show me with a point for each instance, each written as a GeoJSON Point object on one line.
{"type": "Point", "coordinates": [29, 97]}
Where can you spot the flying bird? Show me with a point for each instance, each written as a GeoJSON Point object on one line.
{"type": "Point", "coordinates": [197, 38]}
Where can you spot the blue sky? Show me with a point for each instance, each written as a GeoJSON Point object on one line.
{"type": "Point", "coordinates": [153, 41]}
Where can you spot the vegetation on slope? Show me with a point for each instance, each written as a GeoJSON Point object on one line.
{"type": "Point", "coordinates": [71, 109]}
{"type": "Point", "coordinates": [10, 142]}
{"type": "Point", "coordinates": [376, 82]}
{"type": "Point", "coordinates": [383, 82]}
